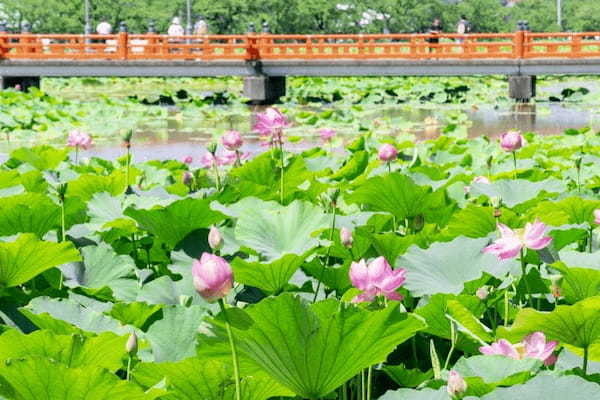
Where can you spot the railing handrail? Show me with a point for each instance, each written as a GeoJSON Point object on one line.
{"type": "Point", "coordinates": [256, 46]}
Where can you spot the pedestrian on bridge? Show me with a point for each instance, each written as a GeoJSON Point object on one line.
{"type": "Point", "coordinates": [434, 30]}
{"type": "Point", "coordinates": [175, 29]}
{"type": "Point", "coordinates": [462, 28]}
{"type": "Point", "coordinates": [201, 27]}
{"type": "Point", "coordinates": [104, 28]}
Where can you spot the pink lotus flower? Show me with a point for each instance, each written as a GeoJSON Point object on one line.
{"type": "Point", "coordinates": [188, 160]}
{"type": "Point", "coordinates": [511, 242]}
{"type": "Point", "coordinates": [346, 237]}
{"type": "Point", "coordinates": [215, 240]}
{"type": "Point", "coordinates": [209, 160]}
{"type": "Point", "coordinates": [532, 346]}
{"type": "Point", "coordinates": [79, 139]}
{"type": "Point", "coordinates": [213, 277]}
{"type": "Point", "coordinates": [232, 140]}
{"type": "Point", "coordinates": [327, 134]}
{"type": "Point", "coordinates": [271, 124]}
{"type": "Point", "coordinates": [512, 140]}
{"type": "Point", "coordinates": [482, 179]}
{"type": "Point", "coordinates": [456, 384]}
{"type": "Point", "coordinates": [387, 153]}
{"type": "Point", "coordinates": [187, 178]}
{"type": "Point", "coordinates": [376, 279]}
{"type": "Point", "coordinates": [482, 293]}
{"type": "Point", "coordinates": [597, 216]}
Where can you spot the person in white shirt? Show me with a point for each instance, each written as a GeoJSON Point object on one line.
{"type": "Point", "coordinates": [104, 28]}
{"type": "Point", "coordinates": [175, 29]}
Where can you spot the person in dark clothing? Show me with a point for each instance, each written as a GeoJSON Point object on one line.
{"type": "Point", "coordinates": [434, 30]}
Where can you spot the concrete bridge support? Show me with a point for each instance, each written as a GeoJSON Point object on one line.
{"type": "Point", "coordinates": [264, 90]}
{"type": "Point", "coordinates": [23, 82]}
{"type": "Point", "coordinates": [521, 87]}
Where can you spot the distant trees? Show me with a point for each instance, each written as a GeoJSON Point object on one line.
{"type": "Point", "coordinates": [306, 16]}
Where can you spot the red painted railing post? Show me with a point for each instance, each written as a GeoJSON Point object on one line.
{"type": "Point", "coordinates": [519, 44]}
{"type": "Point", "coordinates": [252, 51]}
{"type": "Point", "coordinates": [123, 45]}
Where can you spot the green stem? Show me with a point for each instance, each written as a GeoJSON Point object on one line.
{"type": "Point", "coordinates": [414, 351]}
{"type": "Point", "coordinates": [76, 153]}
{"type": "Point", "coordinates": [389, 165]}
{"type": "Point", "coordinates": [369, 377]}
{"type": "Point", "coordinates": [506, 307]}
{"type": "Point", "coordinates": [236, 367]}
{"type": "Point", "coordinates": [326, 255]}
{"type": "Point", "coordinates": [524, 277]}
{"type": "Point", "coordinates": [345, 391]}
{"type": "Point", "coordinates": [217, 176]}
{"type": "Point", "coordinates": [453, 338]}
{"type": "Point", "coordinates": [591, 240]}
{"type": "Point", "coordinates": [514, 153]}
{"type": "Point", "coordinates": [63, 235]}
{"type": "Point", "coordinates": [127, 163]}
{"type": "Point", "coordinates": [281, 182]}
{"type": "Point", "coordinates": [128, 376]}
{"type": "Point", "coordinates": [585, 360]}
{"type": "Point", "coordinates": [363, 392]}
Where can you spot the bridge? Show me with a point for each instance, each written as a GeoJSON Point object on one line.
{"type": "Point", "coordinates": [266, 59]}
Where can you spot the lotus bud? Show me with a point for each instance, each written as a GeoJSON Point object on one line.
{"type": "Point", "coordinates": [346, 237]}
{"type": "Point", "coordinates": [212, 148]}
{"type": "Point", "coordinates": [597, 216]}
{"type": "Point", "coordinates": [232, 140]}
{"type": "Point", "coordinates": [496, 201]}
{"type": "Point", "coordinates": [327, 134]}
{"type": "Point", "coordinates": [132, 344]}
{"type": "Point", "coordinates": [578, 163]}
{"type": "Point", "coordinates": [215, 240]}
{"type": "Point", "coordinates": [497, 212]}
{"type": "Point", "coordinates": [482, 293]}
{"type": "Point", "coordinates": [489, 161]}
{"type": "Point", "coordinates": [456, 384]}
{"type": "Point", "coordinates": [188, 160]}
{"type": "Point", "coordinates": [187, 178]}
{"type": "Point", "coordinates": [127, 138]}
{"type": "Point", "coordinates": [387, 153]}
{"type": "Point", "coordinates": [212, 277]}
{"type": "Point", "coordinates": [512, 141]}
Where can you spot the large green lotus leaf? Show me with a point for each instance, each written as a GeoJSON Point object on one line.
{"type": "Point", "coordinates": [548, 387]}
{"type": "Point", "coordinates": [40, 157]}
{"type": "Point", "coordinates": [29, 212]}
{"type": "Point", "coordinates": [517, 191]}
{"type": "Point", "coordinates": [86, 185]}
{"type": "Point", "coordinates": [174, 222]}
{"type": "Point", "coordinates": [467, 322]}
{"type": "Point", "coordinates": [407, 377]}
{"type": "Point", "coordinates": [412, 394]}
{"type": "Point", "coordinates": [572, 210]}
{"type": "Point", "coordinates": [105, 350]}
{"type": "Point", "coordinates": [436, 313]}
{"type": "Point", "coordinates": [135, 313]}
{"type": "Point", "coordinates": [473, 221]}
{"type": "Point", "coordinates": [101, 267]}
{"type": "Point", "coordinates": [270, 277]}
{"type": "Point", "coordinates": [43, 379]}
{"type": "Point", "coordinates": [274, 230]}
{"type": "Point", "coordinates": [583, 260]}
{"type": "Point", "coordinates": [499, 370]}
{"type": "Point", "coordinates": [28, 257]}
{"type": "Point", "coordinates": [355, 166]}
{"type": "Point", "coordinates": [578, 283]}
{"type": "Point", "coordinates": [577, 325]}
{"type": "Point", "coordinates": [173, 338]}
{"type": "Point", "coordinates": [314, 349]}
{"type": "Point", "coordinates": [568, 360]}
{"type": "Point", "coordinates": [446, 267]}
{"type": "Point", "coordinates": [64, 316]}
{"type": "Point", "coordinates": [393, 193]}
{"type": "Point", "coordinates": [165, 290]}
{"type": "Point", "coordinates": [193, 379]}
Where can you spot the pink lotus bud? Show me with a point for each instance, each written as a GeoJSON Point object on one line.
{"type": "Point", "coordinates": [79, 139]}
{"type": "Point", "coordinates": [188, 160]}
{"type": "Point", "coordinates": [482, 293]}
{"type": "Point", "coordinates": [512, 141]}
{"type": "Point", "coordinates": [511, 242]}
{"type": "Point", "coordinates": [346, 237]}
{"type": "Point", "coordinates": [327, 134]}
{"type": "Point", "coordinates": [387, 153]}
{"type": "Point", "coordinates": [213, 277]}
{"type": "Point", "coordinates": [132, 344]}
{"type": "Point", "coordinates": [215, 240]}
{"type": "Point", "coordinates": [597, 216]}
{"type": "Point", "coordinates": [187, 178]}
{"type": "Point", "coordinates": [232, 140]}
{"type": "Point", "coordinates": [376, 279]}
{"type": "Point", "coordinates": [17, 87]}
{"type": "Point", "coordinates": [456, 384]}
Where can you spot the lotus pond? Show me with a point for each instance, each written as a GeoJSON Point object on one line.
{"type": "Point", "coordinates": [365, 264]}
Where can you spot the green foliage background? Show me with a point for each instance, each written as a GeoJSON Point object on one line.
{"type": "Point", "coordinates": [305, 16]}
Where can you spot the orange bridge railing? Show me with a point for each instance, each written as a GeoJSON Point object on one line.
{"type": "Point", "coordinates": [124, 46]}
